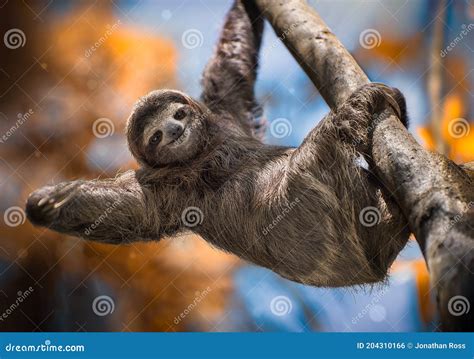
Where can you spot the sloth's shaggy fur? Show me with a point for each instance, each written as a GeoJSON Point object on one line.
{"type": "Point", "coordinates": [302, 212]}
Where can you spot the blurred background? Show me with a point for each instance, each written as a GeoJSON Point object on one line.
{"type": "Point", "coordinates": [70, 72]}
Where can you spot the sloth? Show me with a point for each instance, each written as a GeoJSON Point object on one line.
{"type": "Point", "coordinates": [309, 213]}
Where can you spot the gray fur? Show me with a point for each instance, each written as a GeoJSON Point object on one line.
{"type": "Point", "coordinates": [295, 211]}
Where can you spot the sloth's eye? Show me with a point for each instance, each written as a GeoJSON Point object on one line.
{"type": "Point", "coordinates": [156, 138]}
{"type": "Point", "coordinates": [180, 114]}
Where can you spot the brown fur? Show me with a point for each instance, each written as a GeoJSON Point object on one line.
{"type": "Point", "coordinates": [295, 211]}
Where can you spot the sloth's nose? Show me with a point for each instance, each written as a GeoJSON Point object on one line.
{"type": "Point", "coordinates": [174, 130]}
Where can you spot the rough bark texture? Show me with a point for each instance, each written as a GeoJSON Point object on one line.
{"type": "Point", "coordinates": [435, 195]}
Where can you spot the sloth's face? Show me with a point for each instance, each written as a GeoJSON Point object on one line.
{"type": "Point", "coordinates": [166, 127]}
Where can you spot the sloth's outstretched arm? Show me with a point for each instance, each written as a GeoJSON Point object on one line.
{"type": "Point", "coordinates": [229, 77]}
{"type": "Point", "coordinates": [111, 210]}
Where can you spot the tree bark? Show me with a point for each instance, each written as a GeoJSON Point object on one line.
{"type": "Point", "coordinates": [435, 195]}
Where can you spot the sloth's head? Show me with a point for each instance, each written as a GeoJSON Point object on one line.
{"type": "Point", "coordinates": [167, 127]}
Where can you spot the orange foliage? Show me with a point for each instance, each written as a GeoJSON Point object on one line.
{"type": "Point", "coordinates": [91, 66]}
{"type": "Point", "coordinates": [100, 50]}
{"type": "Point", "coordinates": [460, 145]}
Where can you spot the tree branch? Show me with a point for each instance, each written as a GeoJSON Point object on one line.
{"type": "Point", "coordinates": [435, 195]}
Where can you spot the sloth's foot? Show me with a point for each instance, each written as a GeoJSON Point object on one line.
{"type": "Point", "coordinates": [358, 116]}
{"type": "Point", "coordinates": [43, 205]}
{"type": "Point", "coordinates": [380, 97]}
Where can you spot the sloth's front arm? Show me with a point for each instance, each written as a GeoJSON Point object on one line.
{"type": "Point", "coordinates": [110, 211]}
{"type": "Point", "coordinates": [229, 78]}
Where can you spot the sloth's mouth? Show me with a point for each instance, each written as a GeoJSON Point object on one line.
{"type": "Point", "coordinates": [184, 136]}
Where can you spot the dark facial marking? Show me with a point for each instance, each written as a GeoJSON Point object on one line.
{"type": "Point", "coordinates": [180, 114]}
{"type": "Point", "coordinates": [156, 138]}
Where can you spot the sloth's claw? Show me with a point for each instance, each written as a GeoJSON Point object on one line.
{"type": "Point", "coordinates": [385, 95]}
{"type": "Point", "coordinates": [64, 200]}
{"type": "Point", "coordinates": [42, 201]}
{"type": "Point", "coordinates": [43, 205]}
